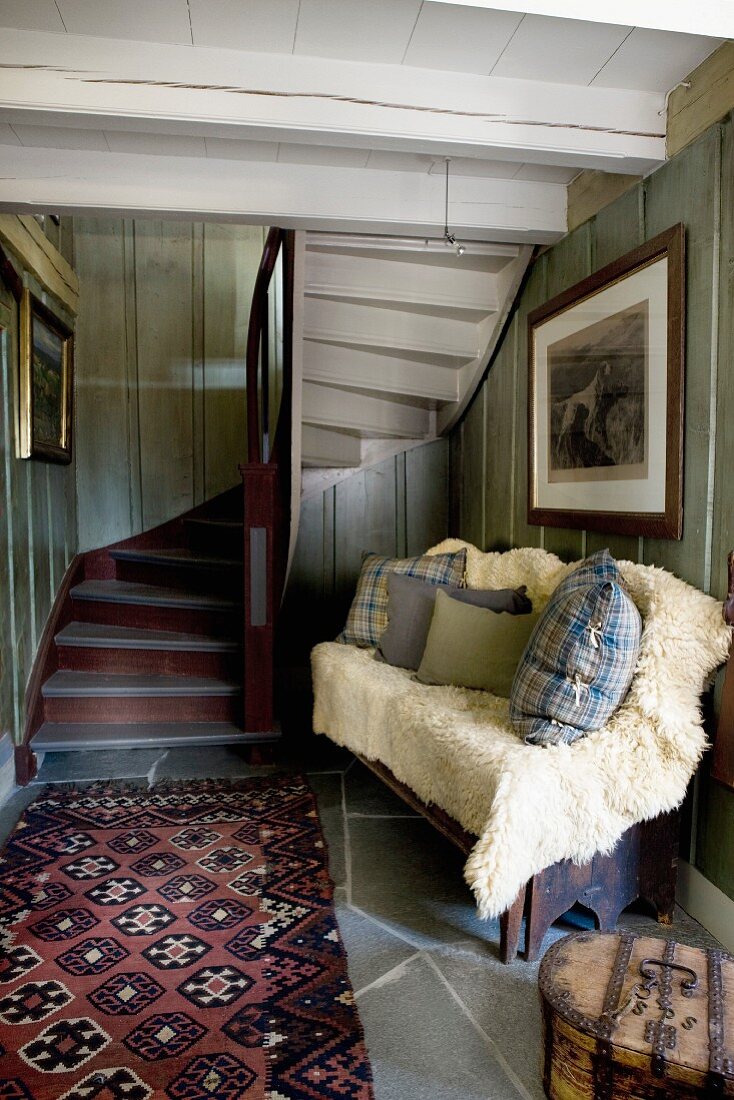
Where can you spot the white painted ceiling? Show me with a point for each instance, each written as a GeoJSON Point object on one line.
{"type": "Point", "coordinates": [451, 36]}
{"type": "Point", "coordinates": [338, 104]}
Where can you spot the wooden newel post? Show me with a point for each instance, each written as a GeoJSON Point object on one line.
{"type": "Point", "coordinates": [722, 767]}
{"type": "Point", "coordinates": [260, 504]}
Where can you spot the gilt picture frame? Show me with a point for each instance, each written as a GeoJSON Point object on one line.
{"type": "Point", "coordinates": [605, 397]}
{"type": "Point", "coordinates": [46, 383]}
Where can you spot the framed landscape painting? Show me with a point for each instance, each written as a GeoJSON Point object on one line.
{"type": "Point", "coordinates": [605, 397]}
{"type": "Point", "coordinates": [46, 382]}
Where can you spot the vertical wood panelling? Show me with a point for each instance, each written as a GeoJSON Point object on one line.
{"type": "Point", "coordinates": [617, 229]}
{"type": "Point", "coordinates": [723, 529]}
{"type": "Point", "coordinates": [687, 190]}
{"type": "Point", "coordinates": [535, 294]}
{"type": "Point", "coordinates": [163, 279]}
{"type": "Point", "coordinates": [697, 188]}
{"type": "Point", "coordinates": [231, 257]}
{"type": "Point", "coordinates": [360, 513]}
{"type": "Point", "coordinates": [426, 496]}
{"type": "Point", "coordinates": [160, 367]}
{"type": "Point", "coordinates": [567, 263]}
{"type": "Point", "coordinates": [474, 444]}
{"type": "Point", "coordinates": [501, 430]}
{"type": "Point", "coordinates": [37, 528]}
{"type": "Point", "coordinates": [101, 385]}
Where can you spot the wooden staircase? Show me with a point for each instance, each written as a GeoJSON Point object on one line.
{"type": "Point", "coordinates": [168, 638]}
{"type": "Point", "coordinates": [150, 651]}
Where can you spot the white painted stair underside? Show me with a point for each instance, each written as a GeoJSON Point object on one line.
{"type": "Point", "coordinates": [397, 332]}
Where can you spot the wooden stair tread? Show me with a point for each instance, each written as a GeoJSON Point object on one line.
{"type": "Point", "coordinates": [177, 556]}
{"type": "Point", "coordinates": [217, 524]}
{"type": "Point", "coordinates": [99, 635]}
{"type": "Point", "coordinates": [73, 736]}
{"type": "Point", "coordinates": [154, 595]}
{"type": "Point", "coordinates": [66, 683]}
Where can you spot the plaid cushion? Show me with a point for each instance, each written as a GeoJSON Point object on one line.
{"type": "Point", "coordinates": [367, 616]}
{"type": "Point", "coordinates": [578, 664]}
{"type": "Point", "coordinates": [598, 567]}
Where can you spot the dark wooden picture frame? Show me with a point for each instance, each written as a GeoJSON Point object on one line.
{"type": "Point", "coordinates": [46, 383]}
{"type": "Point", "coordinates": [579, 460]}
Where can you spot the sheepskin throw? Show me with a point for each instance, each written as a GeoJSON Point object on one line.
{"type": "Point", "coordinates": [531, 806]}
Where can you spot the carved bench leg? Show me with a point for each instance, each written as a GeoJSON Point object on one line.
{"type": "Point", "coordinates": [510, 923]}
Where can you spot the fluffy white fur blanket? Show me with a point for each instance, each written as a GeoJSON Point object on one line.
{"type": "Point", "coordinates": [531, 806]}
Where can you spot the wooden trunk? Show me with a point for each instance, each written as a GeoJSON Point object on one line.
{"type": "Point", "coordinates": [636, 1018]}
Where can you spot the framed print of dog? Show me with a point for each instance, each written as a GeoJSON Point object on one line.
{"type": "Point", "coordinates": [605, 397]}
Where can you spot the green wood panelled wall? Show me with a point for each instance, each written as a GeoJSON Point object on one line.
{"type": "Point", "coordinates": [489, 449]}
{"type": "Point", "coordinates": [37, 522]}
{"type": "Point", "coordinates": [397, 508]}
{"type": "Point", "coordinates": [160, 384]}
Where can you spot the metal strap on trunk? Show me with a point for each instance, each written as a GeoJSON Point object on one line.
{"type": "Point", "coordinates": [716, 1082]}
{"type": "Point", "coordinates": [604, 1063]}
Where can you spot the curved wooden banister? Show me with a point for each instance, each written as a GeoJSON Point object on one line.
{"type": "Point", "coordinates": [258, 320]}
{"type": "Point", "coordinates": [267, 482]}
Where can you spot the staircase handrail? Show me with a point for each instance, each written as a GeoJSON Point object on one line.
{"type": "Point", "coordinates": [256, 370]}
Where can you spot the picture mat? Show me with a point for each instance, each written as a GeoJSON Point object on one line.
{"type": "Point", "coordinates": [613, 495]}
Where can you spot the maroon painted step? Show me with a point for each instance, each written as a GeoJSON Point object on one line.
{"type": "Point", "coordinates": [180, 567]}
{"type": "Point", "coordinates": [98, 697]}
{"type": "Point", "coordinates": [217, 535]}
{"type": "Point", "coordinates": [124, 603]}
{"type": "Point", "coordinates": [100, 647]}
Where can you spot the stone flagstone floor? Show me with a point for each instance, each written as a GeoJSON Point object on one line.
{"type": "Point", "coordinates": [443, 1018]}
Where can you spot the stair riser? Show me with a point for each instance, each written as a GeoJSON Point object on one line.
{"type": "Point", "coordinates": [221, 581]}
{"type": "Point", "coordinates": [176, 708]}
{"type": "Point", "coordinates": [149, 617]}
{"type": "Point", "coordinates": [221, 666]}
{"type": "Point", "coordinates": [224, 542]}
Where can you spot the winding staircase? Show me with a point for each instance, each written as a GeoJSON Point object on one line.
{"type": "Point", "coordinates": [168, 638]}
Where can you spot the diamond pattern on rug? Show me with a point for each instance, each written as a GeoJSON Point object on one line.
{"type": "Point", "coordinates": [222, 860]}
{"type": "Point", "coordinates": [93, 956]}
{"type": "Point", "coordinates": [50, 894]}
{"type": "Point", "coordinates": [115, 891]}
{"type": "Point", "coordinates": [176, 952]}
{"type": "Point", "coordinates": [17, 961]}
{"type": "Point", "coordinates": [34, 1001]}
{"type": "Point", "coordinates": [219, 1075]}
{"type": "Point", "coordinates": [186, 888]}
{"type": "Point", "coordinates": [189, 932]}
{"type": "Point", "coordinates": [167, 1035]}
{"type": "Point", "coordinates": [223, 913]}
{"type": "Point", "coordinates": [215, 986]}
{"type": "Point", "coordinates": [193, 840]}
{"type": "Point", "coordinates": [132, 842]}
{"type": "Point", "coordinates": [90, 867]}
{"type": "Point", "coordinates": [64, 924]}
{"type": "Point", "coordinates": [118, 1083]}
{"type": "Point", "coordinates": [64, 1045]}
{"type": "Point", "coordinates": [143, 920]}
{"type": "Point", "coordinates": [126, 994]}
{"type": "Point", "coordinates": [156, 864]}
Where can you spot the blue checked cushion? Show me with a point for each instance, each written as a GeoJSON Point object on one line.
{"type": "Point", "coordinates": [579, 662]}
{"type": "Point", "coordinates": [367, 616]}
{"type": "Point", "coordinates": [600, 566]}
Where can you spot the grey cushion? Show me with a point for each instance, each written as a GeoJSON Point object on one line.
{"type": "Point", "coordinates": [410, 609]}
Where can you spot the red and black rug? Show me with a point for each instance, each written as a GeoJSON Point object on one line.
{"type": "Point", "coordinates": [179, 942]}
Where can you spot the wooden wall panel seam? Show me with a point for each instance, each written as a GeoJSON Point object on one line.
{"type": "Point", "coordinates": [713, 367]}
{"type": "Point", "coordinates": [9, 448]}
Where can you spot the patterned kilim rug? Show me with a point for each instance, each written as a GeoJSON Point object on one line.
{"type": "Point", "coordinates": [178, 943]}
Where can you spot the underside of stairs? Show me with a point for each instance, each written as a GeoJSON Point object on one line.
{"type": "Point", "coordinates": [146, 645]}
{"type": "Point", "coordinates": [397, 333]}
